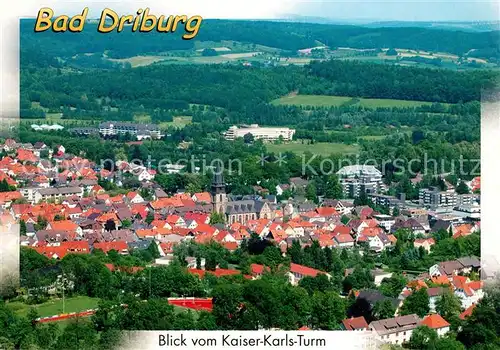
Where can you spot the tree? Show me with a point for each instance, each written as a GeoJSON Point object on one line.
{"type": "Point", "coordinates": [22, 228]}
{"type": "Point", "coordinates": [227, 305]}
{"type": "Point", "coordinates": [333, 188]}
{"type": "Point", "coordinates": [422, 337]}
{"type": "Point", "coordinates": [391, 52]}
{"type": "Point", "coordinates": [311, 192]}
{"type": "Point", "coordinates": [295, 252]}
{"type": "Point", "coordinates": [462, 188]}
{"type": "Point", "coordinates": [345, 219]}
{"type": "Point", "coordinates": [150, 218]}
{"type": "Point", "coordinates": [4, 186]}
{"type": "Point", "coordinates": [209, 52]}
{"type": "Point", "coordinates": [217, 218]}
{"type": "Point", "coordinates": [110, 225]}
{"type": "Point", "coordinates": [126, 223]}
{"type": "Point", "coordinates": [248, 138]}
{"type": "Point", "coordinates": [384, 309]}
{"type": "Point", "coordinates": [416, 303]}
{"type": "Point", "coordinates": [392, 286]}
{"type": "Point", "coordinates": [448, 305]}
{"type": "Point", "coordinates": [395, 212]}
{"type": "Point", "coordinates": [447, 343]}
{"type": "Point", "coordinates": [328, 310]}
{"type": "Point", "coordinates": [272, 256]}
{"type": "Point", "coordinates": [482, 328]}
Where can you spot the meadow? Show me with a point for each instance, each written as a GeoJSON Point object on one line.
{"type": "Point", "coordinates": [336, 101]}
{"type": "Point", "coordinates": [319, 148]}
{"type": "Point", "coordinates": [55, 306]}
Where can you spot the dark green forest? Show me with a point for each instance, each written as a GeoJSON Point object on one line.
{"type": "Point", "coordinates": [282, 35]}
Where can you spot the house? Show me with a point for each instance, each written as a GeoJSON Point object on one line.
{"type": "Point", "coordinates": [379, 276]}
{"type": "Point", "coordinates": [258, 270]}
{"type": "Point", "coordinates": [426, 243]}
{"type": "Point", "coordinates": [344, 241]}
{"type": "Point", "coordinates": [410, 224]}
{"type": "Point", "coordinates": [202, 197]}
{"type": "Point", "coordinates": [342, 206]}
{"type": "Point", "coordinates": [397, 330]}
{"type": "Point", "coordinates": [436, 322]}
{"type": "Point", "coordinates": [469, 292]}
{"type": "Point", "coordinates": [120, 247]}
{"type": "Point", "coordinates": [134, 197]}
{"type": "Point", "coordinates": [445, 268]}
{"type": "Point", "coordinates": [469, 264]}
{"type": "Point", "coordinates": [355, 324]}
{"type": "Point", "coordinates": [297, 272]}
{"type": "Point", "coordinates": [379, 242]}
{"type": "Point", "coordinates": [441, 225]}
{"type": "Point", "coordinates": [65, 225]}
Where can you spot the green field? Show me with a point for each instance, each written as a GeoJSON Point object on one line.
{"type": "Point", "coordinates": [320, 148]}
{"type": "Point", "coordinates": [178, 122]}
{"type": "Point", "coordinates": [335, 101]}
{"type": "Point", "coordinates": [55, 306]}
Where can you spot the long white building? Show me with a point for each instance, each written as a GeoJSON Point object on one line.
{"type": "Point", "coordinates": [267, 134]}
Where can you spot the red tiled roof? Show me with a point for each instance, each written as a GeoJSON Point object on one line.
{"type": "Point", "coordinates": [435, 321]}
{"type": "Point", "coordinates": [344, 238]}
{"type": "Point", "coordinates": [304, 270]}
{"type": "Point", "coordinates": [108, 246]}
{"type": "Point", "coordinates": [467, 312]}
{"type": "Point", "coordinates": [63, 225]}
{"type": "Point", "coordinates": [258, 269]}
{"type": "Point", "coordinates": [217, 272]}
{"type": "Point", "coordinates": [355, 323]}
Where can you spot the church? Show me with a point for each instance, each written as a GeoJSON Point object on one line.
{"type": "Point", "coordinates": [240, 211]}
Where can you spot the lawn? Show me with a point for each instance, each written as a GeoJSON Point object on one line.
{"type": "Point", "coordinates": [139, 61]}
{"type": "Point", "coordinates": [178, 122]}
{"type": "Point", "coordinates": [319, 148]}
{"type": "Point", "coordinates": [335, 101]}
{"type": "Point", "coordinates": [55, 306]}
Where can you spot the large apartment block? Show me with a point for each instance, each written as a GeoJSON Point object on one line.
{"type": "Point", "coordinates": [434, 198]}
{"type": "Point", "coordinates": [266, 134]}
{"type": "Point", "coordinates": [358, 179]}
{"type": "Point", "coordinates": [36, 195]}
{"type": "Point", "coordinates": [140, 131]}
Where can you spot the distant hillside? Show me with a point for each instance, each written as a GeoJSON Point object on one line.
{"type": "Point", "coordinates": [288, 36]}
{"type": "Point", "coordinates": [485, 26]}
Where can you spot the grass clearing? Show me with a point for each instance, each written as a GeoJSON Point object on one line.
{"type": "Point", "coordinates": [319, 148]}
{"type": "Point", "coordinates": [139, 61]}
{"type": "Point", "coordinates": [336, 101]}
{"type": "Point", "coordinates": [55, 306]}
{"type": "Point", "coordinates": [178, 122]}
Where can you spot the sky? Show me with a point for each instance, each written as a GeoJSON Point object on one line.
{"type": "Point", "coordinates": [367, 10]}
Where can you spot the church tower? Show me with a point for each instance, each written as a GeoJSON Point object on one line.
{"type": "Point", "coordinates": [218, 192]}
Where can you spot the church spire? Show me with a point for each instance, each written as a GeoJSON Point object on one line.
{"type": "Point", "coordinates": [218, 191]}
{"type": "Point", "coordinates": [218, 178]}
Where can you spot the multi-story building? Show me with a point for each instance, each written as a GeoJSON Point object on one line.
{"type": "Point", "coordinates": [358, 179]}
{"type": "Point", "coordinates": [266, 134]}
{"type": "Point", "coordinates": [55, 194]}
{"type": "Point", "coordinates": [386, 201]}
{"type": "Point", "coordinates": [395, 330]}
{"type": "Point", "coordinates": [140, 131]}
{"type": "Point", "coordinates": [434, 198]}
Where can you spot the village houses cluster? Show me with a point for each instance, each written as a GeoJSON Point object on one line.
{"type": "Point", "coordinates": [79, 216]}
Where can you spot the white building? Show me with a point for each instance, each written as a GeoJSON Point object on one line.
{"type": "Point", "coordinates": [397, 330]}
{"type": "Point", "coordinates": [140, 131]}
{"type": "Point", "coordinates": [357, 179]}
{"type": "Point", "coordinates": [266, 134]}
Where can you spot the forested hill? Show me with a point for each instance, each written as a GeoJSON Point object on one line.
{"type": "Point", "coordinates": [281, 35]}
